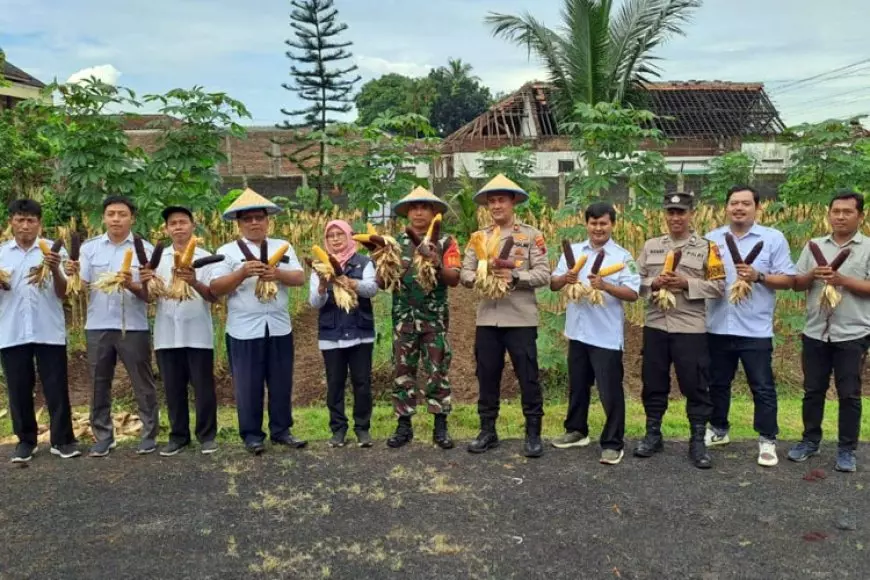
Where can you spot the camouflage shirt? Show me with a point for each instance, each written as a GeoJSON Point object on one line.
{"type": "Point", "coordinates": [410, 303]}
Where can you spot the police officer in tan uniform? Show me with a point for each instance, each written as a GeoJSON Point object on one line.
{"type": "Point", "coordinates": [675, 330]}
{"type": "Point", "coordinates": [511, 323]}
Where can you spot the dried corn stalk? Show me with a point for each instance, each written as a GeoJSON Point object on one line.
{"type": "Point", "coordinates": [41, 274]}
{"type": "Point", "coordinates": [74, 286]}
{"type": "Point", "coordinates": [327, 267]}
{"type": "Point", "coordinates": [664, 298]}
{"type": "Point", "coordinates": [386, 254]}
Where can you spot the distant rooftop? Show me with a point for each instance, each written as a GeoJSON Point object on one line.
{"type": "Point", "coordinates": [16, 75]}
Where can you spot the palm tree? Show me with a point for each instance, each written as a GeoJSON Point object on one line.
{"type": "Point", "coordinates": [598, 55]}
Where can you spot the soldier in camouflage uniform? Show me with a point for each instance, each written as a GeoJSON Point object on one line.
{"type": "Point", "coordinates": [420, 321]}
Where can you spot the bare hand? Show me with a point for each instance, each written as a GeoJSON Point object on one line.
{"type": "Point", "coordinates": [270, 273]}
{"type": "Point", "coordinates": [253, 268]}
{"type": "Point", "coordinates": [596, 282]}
{"type": "Point", "coordinates": [322, 285]}
{"type": "Point", "coordinates": [128, 281]}
{"type": "Point", "coordinates": [186, 274]}
{"type": "Point", "coordinates": [348, 283]}
{"type": "Point", "coordinates": [571, 277]}
{"type": "Point", "coordinates": [146, 275]}
{"type": "Point", "coordinates": [676, 282]}
{"type": "Point", "coordinates": [748, 273]}
{"type": "Point", "coordinates": [830, 277]}
{"type": "Point", "coordinates": [503, 273]}
{"type": "Point", "coordinates": [71, 267]}
{"type": "Point", "coordinates": [52, 260]}
{"type": "Point", "coordinates": [823, 273]}
{"type": "Point", "coordinates": [660, 281]}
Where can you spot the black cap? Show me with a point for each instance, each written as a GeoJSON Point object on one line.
{"type": "Point", "coordinates": [168, 211]}
{"type": "Point", "coordinates": [679, 200]}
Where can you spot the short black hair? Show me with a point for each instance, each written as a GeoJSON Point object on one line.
{"type": "Point", "coordinates": [737, 188]}
{"type": "Point", "coordinates": [123, 199]}
{"type": "Point", "coordinates": [167, 212]}
{"type": "Point", "coordinates": [600, 209]}
{"type": "Point", "coordinates": [846, 194]}
{"type": "Point", "coordinates": [25, 207]}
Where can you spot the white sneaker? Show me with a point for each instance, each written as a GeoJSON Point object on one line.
{"type": "Point", "coordinates": [715, 437]}
{"type": "Point", "coordinates": [767, 452]}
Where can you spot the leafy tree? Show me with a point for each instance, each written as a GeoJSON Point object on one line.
{"type": "Point", "coordinates": [459, 97]}
{"type": "Point", "coordinates": [393, 93]}
{"type": "Point", "coordinates": [599, 54]}
{"type": "Point", "coordinates": [609, 138]}
{"type": "Point", "coordinates": [326, 90]}
{"type": "Point", "coordinates": [826, 157]}
{"type": "Point", "coordinates": [727, 171]}
{"type": "Point", "coordinates": [27, 149]}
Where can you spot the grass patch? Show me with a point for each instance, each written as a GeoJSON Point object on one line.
{"type": "Point", "coordinates": [312, 423]}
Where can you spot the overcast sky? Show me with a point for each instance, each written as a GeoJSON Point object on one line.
{"type": "Point", "coordinates": [238, 47]}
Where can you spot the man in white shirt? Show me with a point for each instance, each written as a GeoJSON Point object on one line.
{"type": "Point", "coordinates": [259, 334]}
{"type": "Point", "coordinates": [184, 341]}
{"type": "Point", "coordinates": [32, 326]}
{"type": "Point", "coordinates": [117, 327]}
{"type": "Point", "coordinates": [595, 335]}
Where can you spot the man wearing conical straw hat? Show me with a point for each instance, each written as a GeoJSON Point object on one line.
{"type": "Point", "coordinates": [259, 331]}
{"type": "Point", "coordinates": [420, 315]}
{"type": "Point", "coordinates": [509, 264]}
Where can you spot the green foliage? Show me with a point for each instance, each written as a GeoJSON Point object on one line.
{"type": "Point", "coordinates": [377, 162]}
{"type": "Point", "coordinates": [826, 157]}
{"type": "Point", "coordinates": [598, 54]}
{"type": "Point", "coordinates": [459, 97]}
{"type": "Point", "coordinates": [734, 168]}
{"type": "Point", "coordinates": [394, 94]}
{"type": "Point", "coordinates": [463, 209]}
{"type": "Point", "coordinates": [609, 138]}
{"type": "Point", "coordinates": [305, 199]}
{"type": "Point", "coordinates": [326, 90]}
{"type": "Point", "coordinates": [27, 147]}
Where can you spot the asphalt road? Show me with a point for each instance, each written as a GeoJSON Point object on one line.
{"type": "Point", "coordinates": [423, 513]}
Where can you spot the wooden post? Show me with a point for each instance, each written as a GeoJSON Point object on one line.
{"type": "Point", "coordinates": [563, 190]}
{"type": "Point", "coordinates": [681, 182]}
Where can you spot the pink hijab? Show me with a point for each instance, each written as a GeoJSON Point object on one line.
{"type": "Point", "coordinates": [351, 247]}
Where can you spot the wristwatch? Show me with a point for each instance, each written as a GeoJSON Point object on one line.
{"type": "Point", "coordinates": [761, 278]}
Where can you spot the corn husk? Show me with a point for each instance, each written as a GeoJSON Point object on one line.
{"type": "Point", "coordinates": [5, 279]}
{"type": "Point", "coordinates": [178, 289]}
{"type": "Point", "coordinates": [664, 299]}
{"type": "Point", "coordinates": [110, 282]}
{"type": "Point", "coordinates": [740, 291]}
{"type": "Point", "coordinates": [830, 298]}
{"type": "Point", "coordinates": [345, 298]}
{"type": "Point", "coordinates": [41, 274]}
{"type": "Point", "coordinates": [427, 273]}
{"type": "Point", "coordinates": [388, 263]}
{"type": "Point", "coordinates": [576, 292]}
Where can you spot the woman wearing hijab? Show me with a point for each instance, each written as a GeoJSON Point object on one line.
{"type": "Point", "coordinates": [346, 339]}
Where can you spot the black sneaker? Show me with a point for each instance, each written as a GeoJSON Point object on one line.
{"type": "Point", "coordinates": [290, 441]}
{"type": "Point", "coordinates": [67, 451]}
{"type": "Point", "coordinates": [23, 453]}
{"type": "Point", "coordinates": [256, 448]}
{"type": "Point", "coordinates": [146, 446]}
{"type": "Point", "coordinates": [338, 439]}
{"type": "Point", "coordinates": [102, 448]}
{"type": "Point", "coordinates": [208, 447]}
{"type": "Point", "coordinates": [172, 448]}
{"type": "Point", "coordinates": [363, 439]}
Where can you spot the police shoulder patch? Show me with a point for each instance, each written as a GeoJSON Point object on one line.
{"type": "Point", "coordinates": [715, 270]}
{"type": "Point", "coordinates": [541, 244]}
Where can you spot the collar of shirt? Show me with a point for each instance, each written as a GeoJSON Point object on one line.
{"type": "Point", "coordinates": [13, 245]}
{"type": "Point", "coordinates": [107, 240]}
{"type": "Point", "coordinates": [858, 238]}
{"type": "Point", "coordinates": [609, 245]}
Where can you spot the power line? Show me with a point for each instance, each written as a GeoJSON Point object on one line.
{"type": "Point", "coordinates": [822, 77]}
{"type": "Point", "coordinates": [829, 97]}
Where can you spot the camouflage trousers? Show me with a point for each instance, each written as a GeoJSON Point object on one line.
{"type": "Point", "coordinates": [408, 344]}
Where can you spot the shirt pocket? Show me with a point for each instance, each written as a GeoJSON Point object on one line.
{"type": "Point", "coordinates": [691, 264]}
{"type": "Point", "coordinates": [98, 267]}
{"type": "Point", "coordinates": [655, 263]}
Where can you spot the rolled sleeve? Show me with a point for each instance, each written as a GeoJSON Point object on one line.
{"type": "Point", "coordinates": [702, 289]}
{"type": "Point", "coordinates": [805, 262]}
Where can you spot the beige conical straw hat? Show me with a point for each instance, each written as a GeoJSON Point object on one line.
{"type": "Point", "coordinates": [419, 195]}
{"type": "Point", "coordinates": [500, 184]}
{"type": "Point", "coordinates": [249, 199]}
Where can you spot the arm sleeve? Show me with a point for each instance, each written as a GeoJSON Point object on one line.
{"type": "Point", "coordinates": [292, 261]}
{"type": "Point", "coordinates": [780, 258]}
{"type": "Point", "coordinates": [713, 284]}
{"type": "Point", "coordinates": [85, 262]}
{"type": "Point", "coordinates": [561, 266]}
{"type": "Point", "coordinates": [805, 262]}
{"type": "Point", "coordinates": [368, 286]}
{"type": "Point", "coordinates": [646, 279]}
{"type": "Point", "coordinates": [469, 268]}
{"type": "Point", "coordinates": [538, 274]}
{"type": "Point", "coordinates": [629, 276]}
{"type": "Point", "coordinates": [314, 298]}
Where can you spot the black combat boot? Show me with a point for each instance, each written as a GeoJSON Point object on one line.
{"type": "Point", "coordinates": [533, 446]}
{"type": "Point", "coordinates": [440, 436]}
{"type": "Point", "coordinates": [403, 435]}
{"type": "Point", "coordinates": [652, 443]}
{"type": "Point", "coordinates": [698, 449]}
{"type": "Point", "coordinates": [487, 438]}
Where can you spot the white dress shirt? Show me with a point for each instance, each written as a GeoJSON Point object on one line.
{"type": "Point", "coordinates": [367, 288]}
{"type": "Point", "coordinates": [187, 323]}
{"type": "Point", "coordinates": [247, 317]}
{"type": "Point", "coordinates": [28, 314]}
{"type": "Point", "coordinates": [600, 326]}
{"type": "Point", "coordinates": [99, 255]}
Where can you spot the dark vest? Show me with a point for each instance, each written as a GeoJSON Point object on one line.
{"type": "Point", "coordinates": [335, 324]}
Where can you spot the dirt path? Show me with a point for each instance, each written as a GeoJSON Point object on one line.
{"type": "Point", "coordinates": [422, 513]}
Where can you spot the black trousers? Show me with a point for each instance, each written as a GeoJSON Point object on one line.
{"type": "Point", "coordinates": [845, 360]}
{"type": "Point", "coordinates": [490, 344]}
{"type": "Point", "coordinates": [357, 359]}
{"type": "Point", "coordinates": [689, 355]}
{"type": "Point", "coordinates": [589, 364]}
{"type": "Point", "coordinates": [178, 367]}
{"type": "Point", "coordinates": [20, 374]}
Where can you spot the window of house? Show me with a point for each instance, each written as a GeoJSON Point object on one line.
{"type": "Point", "coordinates": [566, 165]}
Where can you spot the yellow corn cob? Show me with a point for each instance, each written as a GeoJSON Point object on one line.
{"type": "Point", "coordinates": [669, 263]}
{"type": "Point", "coordinates": [279, 253]}
{"type": "Point", "coordinates": [370, 230]}
{"type": "Point", "coordinates": [128, 260]}
{"type": "Point", "coordinates": [363, 238]}
{"type": "Point", "coordinates": [322, 257]}
{"type": "Point", "coordinates": [436, 219]}
{"type": "Point", "coordinates": [176, 260]}
{"type": "Point", "coordinates": [611, 270]}
{"type": "Point", "coordinates": [187, 257]}
{"type": "Point", "coordinates": [579, 263]}
{"type": "Point", "coordinates": [43, 245]}
{"type": "Point", "coordinates": [492, 243]}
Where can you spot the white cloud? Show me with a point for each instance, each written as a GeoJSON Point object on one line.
{"type": "Point", "coordinates": [104, 72]}
{"type": "Point", "coordinates": [381, 66]}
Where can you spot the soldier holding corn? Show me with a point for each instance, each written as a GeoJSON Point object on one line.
{"type": "Point", "coordinates": [595, 331]}
{"type": "Point", "coordinates": [835, 272]}
{"type": "Point", "coordinates": [515, 266]}
{"type": "Point", "coordinates": [678, 272]}
{"type": "Point", "coordinates": [430, 265]}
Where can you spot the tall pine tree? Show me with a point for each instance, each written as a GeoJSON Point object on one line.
{"type": "Point", "coordinates": [313, 51]}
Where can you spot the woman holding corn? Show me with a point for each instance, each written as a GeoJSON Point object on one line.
{"type": "Point", "coordinates": [346, 332]}
{"type": "Point", "coordinates": [117, 324]}
{"type": "Point", "coordinates": [255, 275]}
{"type": "Point", "coordinates": [679, 271]}
{"type": "Point", "coordinates": [506, 262]}
{"type": "Point", "coordinates": [594, 328]}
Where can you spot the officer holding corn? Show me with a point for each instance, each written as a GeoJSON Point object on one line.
{"type": "Point", "coordinates": [678, 272]}
{"type": "Point", "coordinates": [506, 262]}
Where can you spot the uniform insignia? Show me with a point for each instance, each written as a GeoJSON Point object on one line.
{"type": "Point", "coordinates": [519, 252]}
{"type": "Point", "coordinates": [715, 270]}
{"type": "Point", "coordinates": [675, 199]}
{"type": "Point", "coordinates": [541, 244]}
{"type": "Point", "coordinates": [632, 266]}
{"type": "Point", "coordinates": [521, 237]}
{"type": "Point", "coordinates": [451, 257]}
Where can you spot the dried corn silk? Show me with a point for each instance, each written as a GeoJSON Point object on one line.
{"type": "Point", "coordinates": [740, 291]}
{"type": "Point", "coordinates": [427, 273]}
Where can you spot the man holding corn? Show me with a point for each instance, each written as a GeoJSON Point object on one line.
{"type": "Point", "coordinates": [421, 315]}
{"type": "Point", "coordinates": [255, 275]}
{"type": "Point", "coordinates": [678, 272]}
{"type": "Point", "coordinates": [507, 271]}
{"type": "Point", "coordinates": [595, 330]}
{"type": "Point", "coordinates": [740, 324]}
{"type": "Point", "coordinates": [117, 325]}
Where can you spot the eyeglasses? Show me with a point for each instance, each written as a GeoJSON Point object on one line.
{"type": "Point", "coordinates": [336, 236]}
{"type": "Point", "coordinates": [249, 219]}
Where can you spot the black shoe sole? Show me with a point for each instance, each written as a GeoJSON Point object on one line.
{"type": "Point", "coordinates": [444, 445]}
{"type": "Point", "coordinates": [647, 455]}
